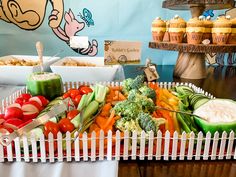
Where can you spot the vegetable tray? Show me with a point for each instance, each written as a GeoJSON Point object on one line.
{"type": "Point", "coordinates": [121, 145]}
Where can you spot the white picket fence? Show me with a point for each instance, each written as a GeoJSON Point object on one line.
{"type": "Point", "coordinates": [162, 146]}
{"type": "Point", "coordinates": [119, 145]}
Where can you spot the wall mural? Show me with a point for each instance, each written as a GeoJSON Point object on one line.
{"type": "Point", "coordinates": [30, 14]}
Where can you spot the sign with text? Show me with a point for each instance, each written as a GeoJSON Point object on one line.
{"type": "Point", "coordinates": [122, 52]}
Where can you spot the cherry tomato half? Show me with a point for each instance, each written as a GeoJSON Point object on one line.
{"type": "Point", "coordinates": [66, 95]}
{"type": "Point", "coordinates": [65, 125]}
{"type": "Point", "coordinates": [51, 127]}
{"type": "Point", "coordinates": [71, 114]}
{"type": "Point", "coordinates": [70, 90]}
{"type": "Point", "coordinates": [74, 93]}
{"type": "Point", "coordinates": [78, 98]}
{"type": "Point", "coordinates": [85, 90]}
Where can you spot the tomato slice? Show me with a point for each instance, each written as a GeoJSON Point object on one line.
{"type": "Point", "coordinates": [71, 114]}
{"type": "Point", "coordinates": [65, 125]}
{"type": "Point", "coordinates": [51, 127]}
{"type": "Point", "coordinates": [85, 89]}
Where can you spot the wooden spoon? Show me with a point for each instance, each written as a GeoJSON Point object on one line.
{"type": "Point", "coordinates": [39, 48]}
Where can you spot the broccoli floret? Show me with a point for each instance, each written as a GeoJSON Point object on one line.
{"type": "Point", "coordinates": [138, 82]}
{"type": "Point", "coordinates": [147, 105]}
{"type": "Point", "coordinates": [127, 109]}
{"type": "Point", "coordinates": [148, 92]}
{"type": "Point", "coordinates": [129, 84]}
{"type": "Point", "coordinates": [126, 85]}
{"type": "Point", "coordinates": [129, 125]}
{"type": "Point", "coordinates": [147, 123]}
{"type": "Point", "coordinates": [132, 94]}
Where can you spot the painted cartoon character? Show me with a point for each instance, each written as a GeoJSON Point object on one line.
{"type": "Point", "coordinates": [29, 14]}
{"type": "Point", "coordinates": [71, 28]}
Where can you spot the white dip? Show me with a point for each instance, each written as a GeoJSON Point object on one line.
{"type": "Point", "coordinates": [45, 76]}
{"type": "Point", "coordinates": [218, 111]}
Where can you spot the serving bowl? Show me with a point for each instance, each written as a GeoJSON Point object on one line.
{"type": "Point", "coordinates": [91, 70]}
{"type": "Point", "coordinates": [17, 75]}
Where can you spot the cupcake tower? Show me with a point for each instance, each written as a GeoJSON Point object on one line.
{"type": "Point", "coordinates": [187, 37]}
{"type": "Point", "coordinates": [221, 31]}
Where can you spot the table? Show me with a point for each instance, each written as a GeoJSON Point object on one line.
{"type": "Point", "coordinates": [60, 169]}
{"type": "Point", "coordinates": [221, 82]}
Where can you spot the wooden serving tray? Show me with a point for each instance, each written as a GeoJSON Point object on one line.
{"type": "Point", "coordinates": [208, 4]}
{"type": "Point", "coordinates": [197, 48]}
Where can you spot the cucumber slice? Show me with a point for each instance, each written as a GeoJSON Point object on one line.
{"type": "Point", "coordinates": [196, 97]}
{"type": "Point", "coordinates": [90, 98]}
{"type": "Point", "coordinates": [82, 102]}
{"type": "Point", "coordinates": [200, 103]}
{"type": "Point", "coordinates": [184, 90]}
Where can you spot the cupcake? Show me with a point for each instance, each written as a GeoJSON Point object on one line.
{"type": "Point", "coordinates": [177, 29]}
{"type": "Point", "coordinates": [195, 29]}
{"type": "Point", "coordinates": [208, 28]}
{"type": "Point", "coordinates": [221, 30]}
{"type": "Point", "coordinates": [158, 29]}
{"type": "Point", "coordinates": [232, 37]}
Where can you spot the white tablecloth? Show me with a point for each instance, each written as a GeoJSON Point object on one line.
{"type": "Point", "coordinates": [60, 169]}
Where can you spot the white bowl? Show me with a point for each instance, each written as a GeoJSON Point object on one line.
{"type": "Point", "coordinates": [17, 75]}
{"type": "Point", "coordinates": [98, 73]}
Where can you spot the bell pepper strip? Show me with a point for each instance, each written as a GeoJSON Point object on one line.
{"type": "Point", "coordinates": [169, 121]}
{"type": "Point", "coordinates": [167, 100]}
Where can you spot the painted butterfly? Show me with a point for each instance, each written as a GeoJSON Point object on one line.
{"type": "Point", "coordinates": [87, 17]}
{"type": "Point", "coordinates": [208, 13]}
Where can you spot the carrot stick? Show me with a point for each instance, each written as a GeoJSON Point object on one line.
{"type": "Point", "coordinates": [117, 117]}
{"type": "Point", "coordinates": [106, 110]}
{"type": "Point", "coordinates": [120, 95]}
{"type": "Point", "coordinates": [101, 121]}
{"type": "Point", "coordinates": [109, 120]}
{"type": "Point", "coordinates": [154, 114]}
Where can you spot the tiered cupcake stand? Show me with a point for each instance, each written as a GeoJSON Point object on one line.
{"type": "Point", "coordinates": [191, 59]}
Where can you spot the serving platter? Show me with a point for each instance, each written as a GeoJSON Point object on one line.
{"type": "Point", "coordinates": [161, 146]}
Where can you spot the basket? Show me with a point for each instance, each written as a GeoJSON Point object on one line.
{"type": "Point", "coordinates": [121, 145]}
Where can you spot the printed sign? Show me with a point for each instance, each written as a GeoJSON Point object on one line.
{"type": "Point", "coordinates": [122, 52]}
